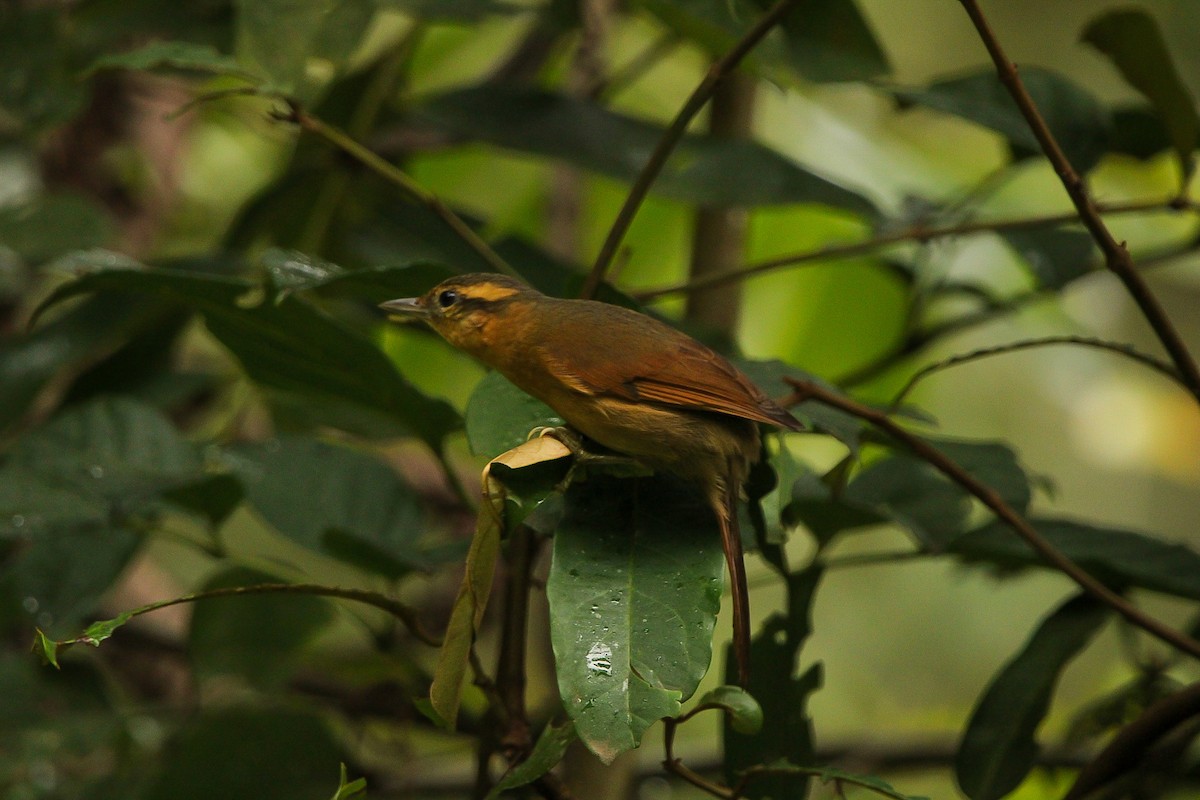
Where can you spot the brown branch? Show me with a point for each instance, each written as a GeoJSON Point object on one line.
{"type": "Point", "coordinates": [1051, 555]}
{"type": "Point", "coordinates": [510, 664]}
{"type": "Point", "coordinates": [918, 341]}
{"type": "Point", "coordinates": [399, 178]}
{"type": "Point", "coordinates": [914, 233]}
{"type": "Point", "coordinates": [676, 767]}
{"type": "Point", "coordinates": [1027, 344]}
{"type": "Point", "coordinates": [671, 137]}
{"type": "Point", "coordinates": [1116, 255]}
{"type": "Point", "coordinates": [1129, 746]}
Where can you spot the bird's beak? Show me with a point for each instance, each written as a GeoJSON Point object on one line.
{"type": "Point", "coordinates": [405, 309]}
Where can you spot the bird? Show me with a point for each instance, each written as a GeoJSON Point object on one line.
{"type": "Point", "coordinates": [624, 380]}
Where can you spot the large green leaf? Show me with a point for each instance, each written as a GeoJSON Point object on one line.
{"type": "Point", "coordinates": [703, 170]}
{"type": "Point", "coordinates": [820, 40]}
{"type": "Point", "coordinates": [1120, 558]}
{"type": "Point", "coordinates": [1132, 40]}
{"type": "Point", "coordinates": [71, 495]}
{"type": "Point", "coordinates": [319, 370]}
{"type": "Point", "coordinates": [634, 590]}
{"type": "Point", "coordinates": [257, 637]}
{"type": "Point", "coordinates": [998, 748]}
{"type": "Point", "coordinates": [1077, 119]}
{"type": "Point", "coordinates": [334, 500]}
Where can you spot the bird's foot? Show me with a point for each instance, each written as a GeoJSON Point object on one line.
{"type": "Point", "coordinates": [585, 459]}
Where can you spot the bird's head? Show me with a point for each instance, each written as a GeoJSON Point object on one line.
{"type": "Point", "coordinates": [469, 311]}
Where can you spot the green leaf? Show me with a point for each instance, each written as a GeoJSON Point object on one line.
{"type": "Point", "coordinates": [1130, 38]}
{"type": "Point", "coordinates": [46, 647]}
{"type": "Point", "coordinates": [347, 789]}
{"type": "Point", "coordinates": [829, 40]}
{"type": "Point", "coordinates": [1055, 256]}
{"type": "Point", "coordinates": [376, 284]}
{"type": "Point", "coordinates": [460, 10]}
{"type": "Point", "coordinates": [52, 225]}
{"type": "Point", "coordinates": [292, 271]}
{"type": "Point", "coordinates": [703, 170]}
{"type": "Point", "coordinates": [40, 87]}
{"type": "Point", "coordinates": [189, 56]}
{"type": "Point", "coordinates": [334, 500]}
{"type": "Point", "coordinates": [75, 495]}
{"type": "Point", "coordinates": [909, 492]}
{"type": "Point", "coordinates": [744, 713]}
{"type": "Point", "coordinates": [257, 637]}
{"type": "Point", "coordinates": [1117, 557]}
{"type": "Point", "coordinates": [29, 361]}
{"type": "Point", "coordinates": [824, 40]}
{"type": "Point", "coordinates": [445, 692]}
{"type": "Point", "coordinates": [1139, 132]}
{"type": "Point", "coordinates": [634, 589]}
{"type": "Point", "coordinates": [293, 753]}
{"type": "Point", "coordinates": [500, 416]}
{"type": "Point", "coordinates": [1077, 119]}
{"type": "Point", "coordinates": [786, 731]}
{"type": "Point", "coordinates": [214, 497]}
{"type": "Point", "coordinates": [998, 748]}
{"type": "Point", "coordinates": [320, 371]}
{"type": "Point", "coordinates": [550, 748]}
{"type": "Point", "coordinates": [300, 46]}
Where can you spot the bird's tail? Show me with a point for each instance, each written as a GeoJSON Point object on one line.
{"type": "Point", "coordinates": [725, 504]}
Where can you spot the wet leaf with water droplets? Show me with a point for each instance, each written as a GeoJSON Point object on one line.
{"type": "Point", "coordinates": [634, 590]}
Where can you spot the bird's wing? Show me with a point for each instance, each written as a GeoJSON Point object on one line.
{"type": "Point", "coordinates": [657, 364]}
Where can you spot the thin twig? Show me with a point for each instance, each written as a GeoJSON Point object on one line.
{"type": "Point", "coordinates": [1051, 555]}
{"type": "Point", "coordinates": [1116, 255]}
{"type": "Point", "coordinates": [914, 233]}
{"type": "Point", "coordinates": [400, 611]}
{"type": "Point", "coordinates": [1028, 344]}
{"type": "Point", "coordinates": [671, 137]}
{"type": "Point", "coordinates": [918, 341]}
{"type": "Point", "coordinates": [399, 178]}
{"type": "Point", "coordinates": [676, 767]}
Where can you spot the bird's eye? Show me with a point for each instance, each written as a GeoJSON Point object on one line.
{"type": "Point", "coordinates": [447, 298]}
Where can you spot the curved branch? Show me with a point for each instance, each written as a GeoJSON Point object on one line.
{"type": "Point", "coordinates": [1051, 555]}
{"type": "Point", "coordinates": [914, 233]}
{"type": "Point", "coordinates": [671, 137]}
{"type": "Point", "coordinates": [1128, 747]}
{"type": "Point", "coordinates": [376, 163]}
{"type": "Point", "coordinates": [1116, 255]}
{"type": "Point", "coordinates": [1028, 344]}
